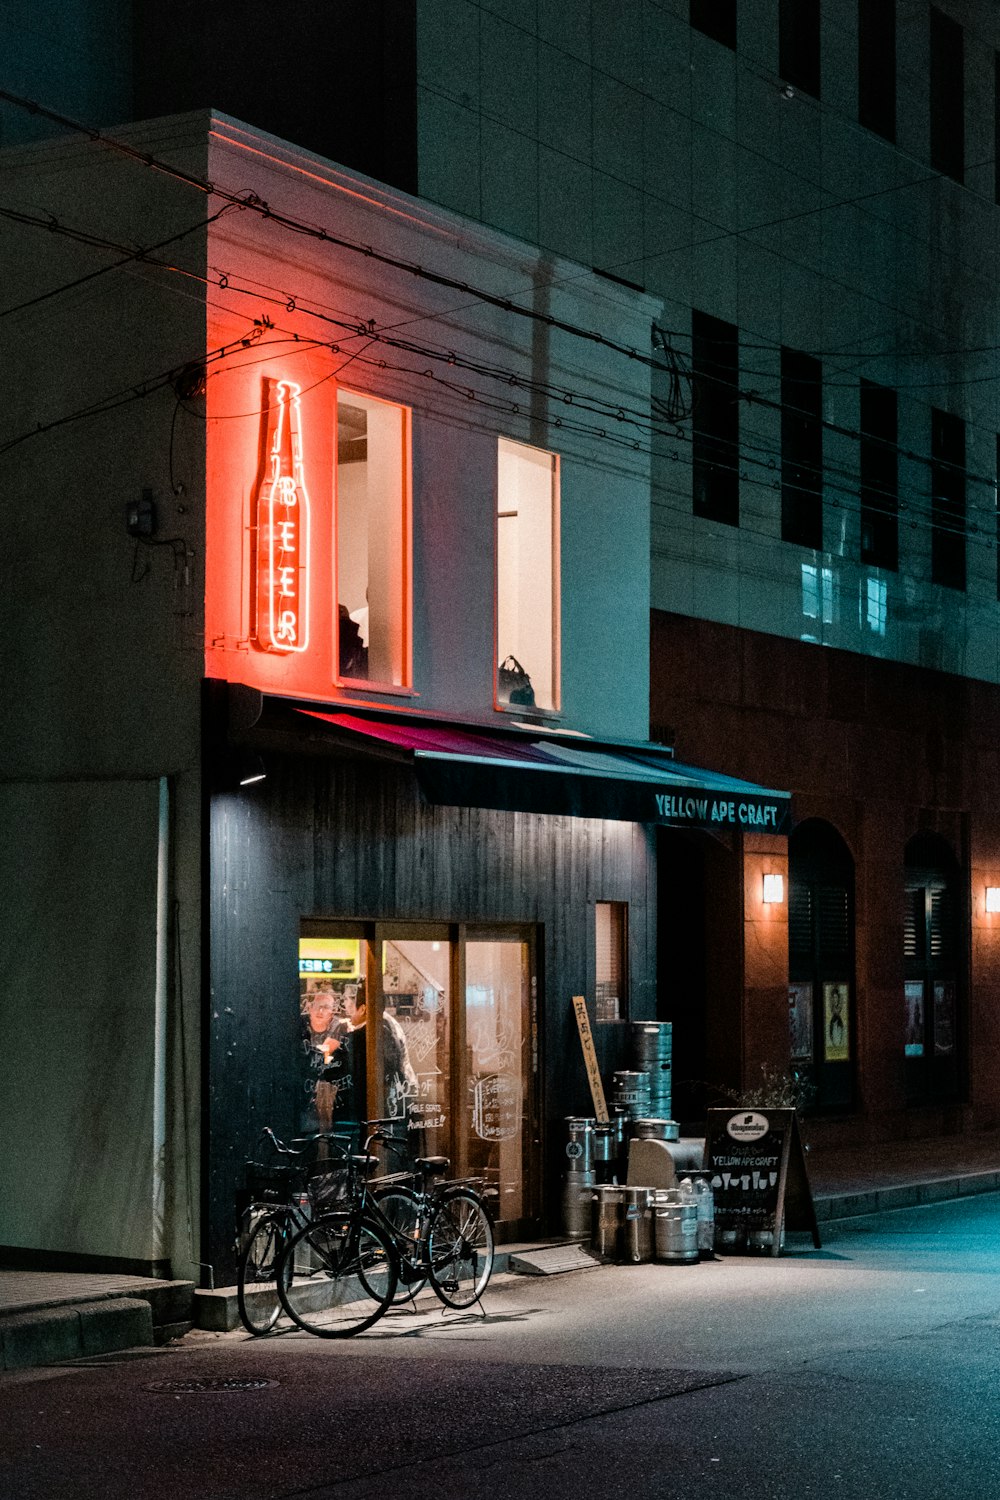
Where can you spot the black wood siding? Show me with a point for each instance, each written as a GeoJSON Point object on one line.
{"type": "Point", "coordinates": [348, 839]}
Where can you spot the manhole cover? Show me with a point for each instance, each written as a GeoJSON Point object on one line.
{"type": "Point", "coordinates": [207, 1383]}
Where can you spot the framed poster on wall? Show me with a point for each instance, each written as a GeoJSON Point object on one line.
{"type": "Point", "coordinates": [913, 995]}
{"type": "Point", "coordinates": [836, 1032]}
{"type": "Point", "coordinates": [800, 1021]}
{"type": "Point", "coordinates": [944, 1017]}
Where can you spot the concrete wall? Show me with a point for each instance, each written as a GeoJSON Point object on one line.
{"type": "Point", "coordinates": [77, 959]}
{"type": "Point", "coordinates": [881, 752]}
{"type": "Point", "coordinates": [458, 416]}
{"type": "Point", "coordinates": [616, 134]}
{"type": "Point", "coordinates": [102, 667]}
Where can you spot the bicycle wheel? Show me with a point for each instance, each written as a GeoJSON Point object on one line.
{"type": "Point", "coordinates": [341, 1276]}
{"type": "Point", "coordinates": [256, 1286]}
{"type": "Point", "coordinates": [401, 1206]}
{"type": "Point", "coordinates": [461, 1248]}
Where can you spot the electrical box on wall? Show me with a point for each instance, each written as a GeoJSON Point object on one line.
{"type": "Point", "coordinates": [140, 515]}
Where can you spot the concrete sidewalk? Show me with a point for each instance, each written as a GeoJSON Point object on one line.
{"type": "Point", "coordinates": [848, 1181]}
{"type": "Point", "coordinates": [50, 1316]}
{"type": "Point", "coordinates": [47, 1317]}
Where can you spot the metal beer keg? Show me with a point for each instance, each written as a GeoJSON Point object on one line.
{"type": "Point", "coordinates": [652, 1053]}
{"type": "Point", "coordinates": [606, 1209]}
{"type": "Point", "coordinates": [655, 1130]}
{"type": "Point", "coordinates": [631, 1091]}
{"type": "Point", "coordinates": [579, 1144]}
{"type": "Point", "coordinates": [578, 1189]}
{"type": "Point", "coordinates": [605, 1151]}
{"type": "Point", "coordinates": [637, 1225]}
{"type": "Point", "coordinates": [676, 1228]}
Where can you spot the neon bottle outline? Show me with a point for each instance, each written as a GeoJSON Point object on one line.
{"type": "Point", "coordinates": [283, 532]}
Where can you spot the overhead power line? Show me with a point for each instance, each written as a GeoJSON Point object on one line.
{"type": "Point", "coordinates": [251, 202]}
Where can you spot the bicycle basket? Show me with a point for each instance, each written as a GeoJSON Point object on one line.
{"type": "Point", "coordinates": [327, 1185]}
{"type": "Point", "coordinates": [269, 1182]}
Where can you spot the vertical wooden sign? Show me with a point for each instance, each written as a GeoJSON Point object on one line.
{"type": "Point", "coordinates": [590, 1059]}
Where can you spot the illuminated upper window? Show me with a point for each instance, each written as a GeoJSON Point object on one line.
{"type": "Point", "coordinates": [875, 605]}
{"type": "Point", "coordinates": [527, 576]}
{"type": "Point", "coordinates": [372, 553]}
{"type": "Point", "coordinates": [817, 594]}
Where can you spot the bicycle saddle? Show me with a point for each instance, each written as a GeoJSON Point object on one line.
{"type": "Point", "coordinates": [433, 1166]}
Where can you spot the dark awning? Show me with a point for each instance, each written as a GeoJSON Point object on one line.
{"type": "Point", "coordinates": [568, 775]}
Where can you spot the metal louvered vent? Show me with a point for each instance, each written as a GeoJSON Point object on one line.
{"type": "Point", "coordinates": [914, 923]}
{"type": "Point", "coordinates": [800, 908]}
{"type": "Point", "coordinates": [942, 926]}
{"type": "Point", "coordinates": [833, 937]}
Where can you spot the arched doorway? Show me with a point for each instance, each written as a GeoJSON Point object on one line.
{"type": "Point", "coordinates": [821, 963]}
{"type": "Point", "coordinates": [933, 973]}
{"type": "Point", "coordinates": [699, 973]}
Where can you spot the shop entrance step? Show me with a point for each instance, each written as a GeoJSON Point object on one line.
{"type": "Point", "coordinates": [552, 1261]}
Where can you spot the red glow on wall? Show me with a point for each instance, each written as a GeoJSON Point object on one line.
{"type": "Point", "coordinates": [282, 574]}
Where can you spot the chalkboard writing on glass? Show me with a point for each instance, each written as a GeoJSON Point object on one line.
{"type": "Point", "coordinates": [759, 1178]}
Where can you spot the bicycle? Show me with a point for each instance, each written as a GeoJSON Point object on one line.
{"type": "Point", "coordinates": [282, 1199]}
{"type": "Point", "coordinates": [337, 1274]}
{"type": "Point", "coordinates": [442, 1231]}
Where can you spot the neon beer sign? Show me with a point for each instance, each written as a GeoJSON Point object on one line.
{"type": "Point", "coordinates": [282, 613]}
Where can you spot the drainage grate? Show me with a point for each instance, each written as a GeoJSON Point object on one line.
{"type": "Point", "coordinates": [207, 1383]}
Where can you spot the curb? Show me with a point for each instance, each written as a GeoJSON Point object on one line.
{"type": "Point", "coordinates": [49, 1335]}
{"type": "Point", "coordinates": [217, 1311]}
{"type": "Point", "coordinates": [904, 1195]}
{"type": "Point", "coordinates": [56, 1329]}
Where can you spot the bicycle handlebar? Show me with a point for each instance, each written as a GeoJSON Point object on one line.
{"type": "Point", "coordinates": [304, 1141]}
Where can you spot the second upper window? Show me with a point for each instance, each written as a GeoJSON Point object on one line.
{"type": "Point", "coordinates": [372, 541]}
{"type": "Point", "coordinates": [527, 605]}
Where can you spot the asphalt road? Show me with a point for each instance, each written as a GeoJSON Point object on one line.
{"type": "Point", "coordinates": [867, 1369]}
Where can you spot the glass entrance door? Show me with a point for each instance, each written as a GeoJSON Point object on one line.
{"type": "Point", "coordinates": [386, 1036]}
{"type": "Point", "coordinates": [497, 1125]}
{"type": "Point", "coordinates": [417, 1029]}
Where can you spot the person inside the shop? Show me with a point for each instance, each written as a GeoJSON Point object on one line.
{"type": "Point", "coordinates": [400, 1079]}
{"type": "Point", "coordinates": [323, 1034]}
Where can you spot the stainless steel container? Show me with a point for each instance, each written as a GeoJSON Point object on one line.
{"type": "Point", "coordinates": [637, 1225]}
{"type": "Point", "coordinates": [579, 1144]}
{"type": "Point", "coordinates": [655, 1130]}
{"type": "Point", "coordinates": [652, 1053]}
{"type": "Point", "coordinates": [620, 1121]}
{"type": "Point", "coordinates": [676, 1229]}
{"type": "Point", "coordinates": [605, 1152]}
{"type": "Point", "coordinates": [578, 1189]}
{"type": "Point", "coordinates": [606, 1221]}
{"type": "Point", "coordinates": [631, 1091]}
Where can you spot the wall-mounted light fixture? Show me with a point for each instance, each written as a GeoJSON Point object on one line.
{"type": "Point", "coordinates": [251, 770]}
{"type": "Point", "coordinates": [774, 889]}
{"type": "Point", "coordinates": [993, 898]}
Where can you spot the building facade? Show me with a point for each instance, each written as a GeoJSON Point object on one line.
{"type": "Point", "coordinates": [791, 215]}
{"type": "Point", "coordinates": [340, 700]}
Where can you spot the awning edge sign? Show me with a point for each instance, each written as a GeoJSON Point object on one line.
{"type": "Point", "coordinates": [466, 767]}
{"type": "Point", "coordinates": [756, 814]}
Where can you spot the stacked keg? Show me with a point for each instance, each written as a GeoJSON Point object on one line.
{"type": "Point", "coordinates": [630, 1093]}
{"type": "Point", "coordinates": [655, 1130]}
{"type": "Point", "coordinates": [652, 1054]}
{"type": "Point", "coordinates": [607, 1151]}
{"type": "Point", "coordinates": [578, 1184]}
